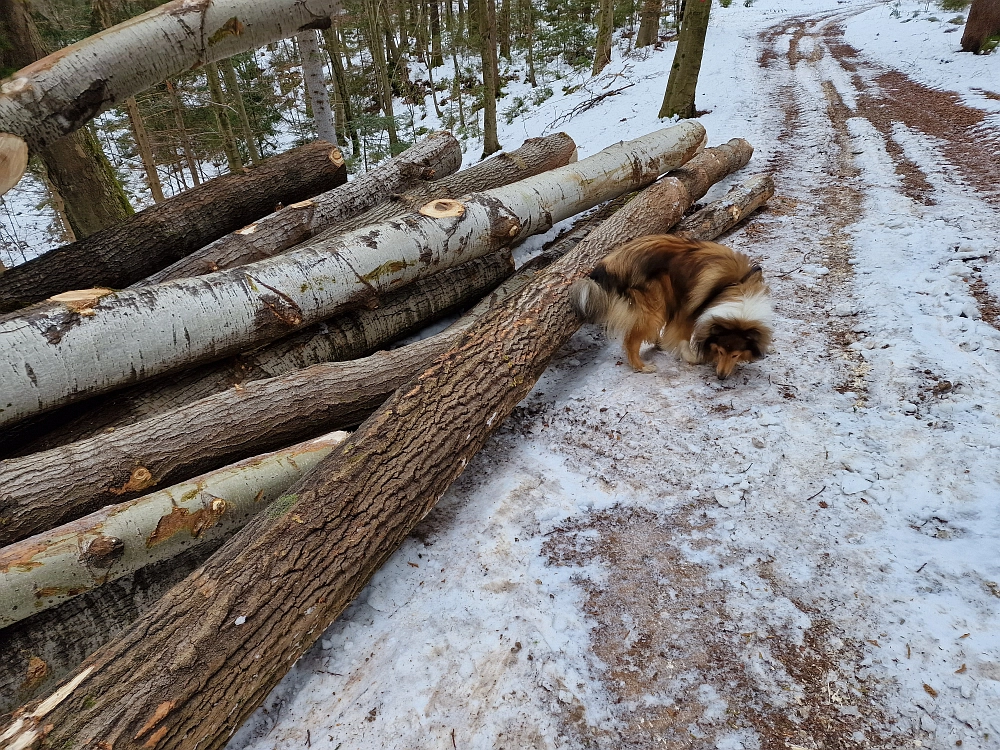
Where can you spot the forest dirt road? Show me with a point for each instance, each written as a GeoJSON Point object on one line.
{"type": "Point", "coordinates": [800, 557]}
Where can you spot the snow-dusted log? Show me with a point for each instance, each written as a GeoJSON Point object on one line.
{"type": "Point", "coordinates": [53, 355]}
{"type": "Point", "coordinates": [315, 85]}
{"type": "Point", "coordinates": [346, 336]}
{"type": "Point", "coordinates": [167, 231]}
{"type": "Point", "coordinates": [47, 569]}
{"type": "Point", "coordinates": [732, 208]}
{"type": "Point", "coordinates": [272, 236]}
{"type": "Point", "coordinates": [268, 593]}
{"type": "Point", "coordinates": [59, 93]}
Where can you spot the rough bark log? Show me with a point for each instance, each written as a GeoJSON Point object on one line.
{"type": "Point", "coordinates": [49, 569]}
{"type": "Point", "coordinates": [344, 337]}
{"type": "Point", "coordinates": [315, 85]}
{"type": "Point", "coordinates": [722, 215]}
{"type": "Point", "coordinates": [61, 92]}
{"type": "Point", "coordinates": [55, 356]}
{"type": "Point", "coordinates": [431, 159]}
{"type": "Point", "coordinates": [188, 672]}
{"type": "Point", "coordinates": [45, 489]}
{"type": "Point", "coordinates": [158, 236]}
{"type": "Point", "coordinates": [38, 652]}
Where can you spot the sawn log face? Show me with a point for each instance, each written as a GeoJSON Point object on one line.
{"type": "Point", "coordinates": [191, 670]}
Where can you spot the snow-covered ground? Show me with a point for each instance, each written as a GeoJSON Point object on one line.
{"type": "Point", "coordinates": [803, 556]}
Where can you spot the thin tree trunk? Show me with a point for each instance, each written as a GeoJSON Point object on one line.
{"type": "Point", "coordinates": [488, 54]}
{"type": "Point", "coordinates": [236, 96]}
{"type": "Point", "coordinates": [457, 87]}
{"type": "Point", "coordinates": [315, 85]}
{"type": "Point", "coordinates": [437, 56]}
{"type": "Point", "coordinates": [378, 52]}
{"type": "Point", "coordinates": [529, 40]}
{"type": "Point", "coordinates": [605, 27]}
{"type": "Point", "coordinates": [29, 504]}
{"type": "Point", "coordinates": [234, 310]}
{"type": "Point", "coordinates": [433, 158]}
{"type": "Point", "coordinates": [332, 37]}
{"type": "Point", "coordinates": [118, 540]}
{"type": "Point", "coordinates": [145, 150]}
{"type": "Point", "coordinates": [175, 105]}
{"type": "Point", "coordinates": [220, 108]}
{"type": "Point", "coordinates": [649, 23]}
{"type": "Point", "coordinates": [101, 71]}
{"type": "Point", "coordinates": [269, 592]}
{"type": "Point", "coordinates": [678, 99]}
{"type": "Point", "coordinates": [503, 30]}
{"type": "Point", "coordinates": [77, 168]}
{"type": "Point", "coordinates": [161, 234]}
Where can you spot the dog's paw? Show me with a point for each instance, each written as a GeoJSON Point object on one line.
{"type": "Point", "coordinates": [647, 368]}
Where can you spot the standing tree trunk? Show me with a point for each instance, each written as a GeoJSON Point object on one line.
{"type": "Point", "coordinates": [678, 99]}
{"type": "Point", "coordinates": [220, 108]}
{"type": "Point", "coordinates": [982, 23]}
{"type": "Point", "coordinates": [236, 96]}
{"type": "Point", "coordinates": [315, 85]}
{"type": "Point", "coordinates": [649, 23]}
{"type": "Point", "coordinates": [76, 165]}
{"type": "Point", "coordinates": [605, 28]}
{"type": "Point", "coordinates": [378, 52]}
{"type": "Point", "coordinates": [434, 10]}
{"type": "Point", "coordinates": [334, 47]}
{"type": "Point", "coordinates": [488, 55]}
{"type": "Point", "coordinates": [190, 671]}
{"type": "Point", "coordinates": [145, 150]}
{"type": "Point", "coordinates": [230, 311]}
{"type": "Point", "coordinates": [528, 19]}
{"type": "Point", "coordinates": [503, 29]}
{"type": "Point", "coordinates": [182, 134]}
{"type": "Point", "coordinates": [161, 234]}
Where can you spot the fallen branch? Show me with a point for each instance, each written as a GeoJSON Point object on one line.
{"type": "Point", "coordinates": [162, 233]}
{"type": "Point", "coordinates": [435, 157]}
{"type": "Point", "coordinates": [53, 355]}
{"type": "Point", "coordinates": [584, 106]}
{"type": "Point", "coordinates": [269, 592]}
{"type": "Point", "coordinates": [46, 570]}
{"type": "Point", "coordinates": [537, 155]}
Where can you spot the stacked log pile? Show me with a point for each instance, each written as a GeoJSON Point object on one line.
{"type": "Point", "coordinates": [244, 375]}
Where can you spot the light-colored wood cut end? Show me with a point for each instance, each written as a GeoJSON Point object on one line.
{"type": "Point", "coordinates": [443, 208]}
{"type": "Point", "coordinates": [13, 160]}
{"type": "Point", "coordinates": [303, 204]}
{"type": "Point", "coordinates": [336, 156]}
{"type": "Point", "coordinates": [81, 299]}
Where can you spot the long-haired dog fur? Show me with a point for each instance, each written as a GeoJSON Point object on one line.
{"type": "Point", "coordinates": [702, 300]}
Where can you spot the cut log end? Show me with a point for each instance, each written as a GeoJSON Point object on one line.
{"type": "Point", "coordinates": [336, 156]}
{"type": "Point", "coordinates": [13, 160]}
{"type": "Point", "coordinates": [443, 208]}
{"type": "Point", "coordinates": [81, 299]}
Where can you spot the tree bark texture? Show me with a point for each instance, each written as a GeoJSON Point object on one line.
{"type": "Point", "coordinates": [649, 23]}
{"type": "Point", "coordinates": [315, 85]}
{"type": "Point", "coordinates": [162, 234]}
{"type": "Point", "coordinates": [435, 157]}
{"type": "Point", "coordinates": [59, 93]}
{"type": "Point", "coordinates": [145, 150]}
{"type": "Point", "coordinates": [678, 99]}
{"type": "Point", "coordinates": [56, 354]}
{"type": "Point", "coordinates": [488, 55]}
{"type": "Point", "coordinates": [229, 426]}
{"type": "Point", "coordinates": [982, 23]}
{"type": "Point", "coordinates": [220, 109]}
{"type": "Point", "coordinates": [188, 672]}
{"type": "Point", "coordinates": [347, 336]}
{"type": "Point", "coordinates": [48, 569]}
{"type": "Point", "coordinates": [605, 28]}
{"type": "Point", "coordinates": [721, 215]}
{"type": "Point", "coordinates": [76, 166]}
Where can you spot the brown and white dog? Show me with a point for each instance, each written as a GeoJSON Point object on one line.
{"type": "Point", "coordinates": [702, 300]}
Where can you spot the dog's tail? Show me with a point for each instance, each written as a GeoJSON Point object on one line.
{"type": "Point", "coordinates": [590, 300]}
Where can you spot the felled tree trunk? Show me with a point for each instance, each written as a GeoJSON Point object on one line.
{"type": "Point", "coordinates": [158, 236]}
{"type": "Point", "coordinates": [268, 593]}
{"type": "Point", "coordinates": [435, 157]}
{"type": "Point", "coordinates": [347, 336]}
{"type": "Point", "coordinates": [48, 569]}
{"type": "Point", "coordinates": [721, 215]}
{"type": "Point", "coordinates": [45, 489]}
{"type": "Point", "coordinates": [61, 353]}
{"type": "Point", "coordinates": [59, 93]}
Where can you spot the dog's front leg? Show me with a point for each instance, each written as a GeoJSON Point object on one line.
{"type": "Point", "coordinates": [688, 354]}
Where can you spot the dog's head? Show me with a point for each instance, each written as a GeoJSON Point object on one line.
{"type": "Point", "coordinates": [734, 331]}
